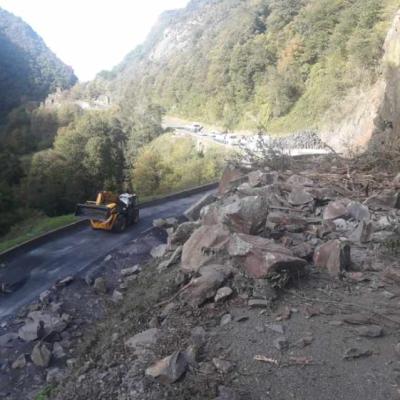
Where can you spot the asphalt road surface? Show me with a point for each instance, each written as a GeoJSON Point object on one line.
{"type": "Point", "coordinates": [35, 271]}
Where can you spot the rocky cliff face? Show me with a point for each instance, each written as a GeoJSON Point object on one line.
{"type": "Point", "coordinates": [370, 118]}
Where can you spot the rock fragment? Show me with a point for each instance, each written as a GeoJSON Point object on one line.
{"type": "Point", "coordinates": [223, 293]}
{"type": "Point", "coordinates": [41, 355]}
{"type": "Point", "coordinates": [222, 366]}
{"type": "Point", "coordinates": [19, 363]}
{"type": "Point", "coordinates": [336, 209]}
{"type": "Point", "coordinates": [169, 369]}
{"type": "Point", "coordinates": [333, 256]}
{"type": "Point", "coordinates": [143, 340]}
{"type": "Point", "coordinates": [355, 352]}
{"type": "Point", "coordinates": [100, 286]}
{"type": "Point", "coordinates": [371, 331]}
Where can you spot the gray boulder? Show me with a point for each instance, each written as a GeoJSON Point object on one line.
{"type": "Point", "coordinates": [204, 245]}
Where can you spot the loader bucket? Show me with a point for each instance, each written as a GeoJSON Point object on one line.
{"type": "Point", "coordinates": [92, 211]}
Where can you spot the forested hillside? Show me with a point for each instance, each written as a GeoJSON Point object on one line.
{"type": "Point", "coordinates": [28, 69]}
{"type": "Point", "coordinates": [278, 64]}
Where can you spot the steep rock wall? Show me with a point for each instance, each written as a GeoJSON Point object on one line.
{"type": "Point", "coordinates": [371, 117]}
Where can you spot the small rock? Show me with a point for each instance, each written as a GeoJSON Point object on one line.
{"type": "Point", "coordinates": [255, 303]}
{"type": "Point", "coordinates": [143, 340]}
{"type": "Point", "coordinates": [108, 258]}
{"type": "Point", "coordinates": [117, 296]}
{"type": "Point", "coordinates": [58, 351]}
{"type": "Point", "coordinates": [241, 318]}
{"type": "Point", "coordinates": [7, 338]}
{"type": "Point", "coordinates": [281, 343]}
{"type": "Point", "coordinates": [130, 271]}
{"type": "Point", "coordinates": [167, 310]}
{"type": "Point", "coordinates": [223, 293]}
{"type": "Point", "coordinates": [371, 331]}
{"type": "Point", "coordinates": [54, 376]}
{"type": "Point", "coordinates": [159, 223]}
{"type": "Point", "coordinates": [19, 363]}
{"type": "Point", "coordinates": [173, 259]}
{"type": "Point", "coordinates": [397, 349]}
{"type": "Point", "coordinates": [65, 281]}
{"type": "Point", "coordinates": [276, 328]}
{"type": "Point", "coordinates": [159, 251]}
{"type": "Point", "coordinates": [305, 341]}
{"type": "Point", "coordinates": [199, 336]}
{"type": "Point", "coordinates": [355, 352]}
{"type": "Point", "coordinates": [45, 296]}
{"type": "Point", "coordinates": [226, 319]}
{"type": "Point", "coordinates": [225, 393]}
{"type": "Point", "coordinates": [192, 355]}
{"type": "Point", "coordinates": [169, 369]}
{"type": "Point", "coordinates": [41, 355]}
{"type": "Point", "coordinates": [71, 362]}
{"type": "Point", "coordinates": [222, 366]}
{"type": "Point", "coordinates": [171, 221]}
{"type": "Point", "coordinates": [100, 285]}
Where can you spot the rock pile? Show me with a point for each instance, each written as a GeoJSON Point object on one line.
{"type": "Point", "coordinates": [273, 226]}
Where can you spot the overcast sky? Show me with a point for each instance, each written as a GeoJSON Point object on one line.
{"type": "Point", "coordinates": [91, 35]}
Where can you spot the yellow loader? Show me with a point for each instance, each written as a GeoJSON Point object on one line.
{"type": "Point", "coordinates": [110, 212]}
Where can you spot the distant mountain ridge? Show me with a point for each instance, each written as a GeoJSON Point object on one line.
{"type": "Point", "coordinates": [29, 70]}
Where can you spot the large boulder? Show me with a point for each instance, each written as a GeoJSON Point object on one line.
{"type": "Point", "coordinates": [261, 258]}
{"type": "Point", "coordinates": [385, 200]}
{"type": "Point", "coordinates": [300, 197]}
{"type": "Point", "coordinates": [363, 233]}
{"type": "Point", "coordinates": [193, 212]}
{"type": "Point", "coordinates": [358, 211]}
{"type": "Point", "coordinates": [232, 177]}
{"type": "Point", "coordinates": [337, 209]}
{"type": "Point", "coordinates": [299, 180]}
{"type": "Point", "coordinates": [182, 233]}
{"type": "Point", "coordinates": [205, 244]}
{"type": "Point", "coordinates": [246, 215]}
{"type": "Point", "coordinates": [334, 256]}
{"type": "Point", "coordinates": [205, 287]}
{"type": "Point", "coordinates": [278, 222]}
{"type": "Point", "coordinates": [260, 178]}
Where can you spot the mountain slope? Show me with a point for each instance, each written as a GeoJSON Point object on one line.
{"type": "Point", "coordinates": [29, 70]}
{"type": "Point", "coordinates": [272, 64]}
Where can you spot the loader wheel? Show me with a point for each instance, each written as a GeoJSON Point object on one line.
{"type": "Point", "coordinates": [120, 224]}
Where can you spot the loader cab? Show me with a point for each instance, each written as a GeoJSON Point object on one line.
{"type": "Point", "coordinates": [129, 200]}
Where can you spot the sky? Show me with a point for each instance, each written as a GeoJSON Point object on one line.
{"type": "Point", "coordinates": [91, 35]}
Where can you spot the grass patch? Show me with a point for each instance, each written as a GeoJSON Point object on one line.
{"type": "Point", "coordinates": [45, 393]}
{"type": "Point", "coordinates": [33, 227]}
